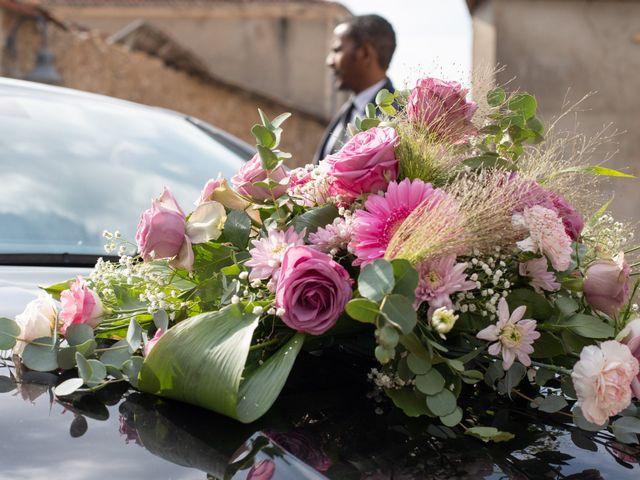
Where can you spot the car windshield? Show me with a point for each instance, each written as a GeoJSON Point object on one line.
{"type": "Point", "coordinates": [75, 165]}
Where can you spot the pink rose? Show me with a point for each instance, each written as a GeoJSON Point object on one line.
{"type": "Point", "coordinates": [571, 218]}
{"type": "Point", "coordinates": [252, 172]}
{"type": "Point", "coordinates": [312, 289]}
{"type": "Point", "coordinates": [263, 470]}
{"type": "Point", "coordinates": [441, 107]}
{"type": "Point", "coordinates": [152, 342]}
{"type": "Point", "coordinates": [632, 340]}
{"type": "Point", "coordinates": [80, 304]}
{"type": "Point", "coordinates": [606, 284]}
{"type": "Point", "coordinates": [161, 230]}
{"type": "Point", "coordinates": [602, 379]}
{"type": "Point", "coordinates": [366, 164]}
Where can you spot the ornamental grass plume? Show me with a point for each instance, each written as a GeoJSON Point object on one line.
{"type": "Point", "coordinates": [477, 212]}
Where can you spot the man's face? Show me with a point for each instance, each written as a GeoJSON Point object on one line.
{"type": "Point", "coordinates": [345, 59]}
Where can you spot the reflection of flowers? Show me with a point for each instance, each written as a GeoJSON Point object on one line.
{"type": "Point", "coordinates": [303, 445]}
{"type": "Point", "coordinates": [130, 433]}
{"type": "Point", "coordinates": [263, 470]}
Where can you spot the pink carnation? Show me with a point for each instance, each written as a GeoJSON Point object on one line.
{"type": "Point", "coordinates": [546, 236]}
{"type": "Point", "coordinates": [366, 164]}
{"type": "Point", "coordinates": [439, 279]}
{"type": "Point", "coordinates": [267, 252]}
{"type": "Point", "coordinates": [512, 335]}
{"type": "Point", "coordinates": [602, 380]}
{"type": "Point", "coordinates": [374, 227]}
{"type": "Point", "coordinates": [80, 305]}
{"type": "Point", "coordinates": [541, 277]}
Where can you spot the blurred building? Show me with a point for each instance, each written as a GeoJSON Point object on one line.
{"type": "Point", "coordinates": [560, 50]}
{"type": "Point", "coordinates": [214, 59]}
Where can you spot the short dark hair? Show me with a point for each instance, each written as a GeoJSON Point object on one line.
{"type": "Point", "coordinates": [375, 30]}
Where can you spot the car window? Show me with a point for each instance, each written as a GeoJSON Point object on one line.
{"type": "Point", "coordinates": [71, 167]}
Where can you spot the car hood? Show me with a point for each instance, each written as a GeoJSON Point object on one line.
{"type": "Point", "coordinates": [21, 284]}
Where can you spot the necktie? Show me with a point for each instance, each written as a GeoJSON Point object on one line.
{"type": "Point", "coordinates": [339, 134]}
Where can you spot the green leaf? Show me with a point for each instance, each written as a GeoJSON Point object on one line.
{"type": "Point", "coordinates": [543, 375]}
{"type": "Point", "coordinates": [9, 330]}
{"type": "Point", "coordinates": [418, 365]}
{"type": "Point", "coordinates": [523, 103]}
{"type": "Point", "coordinates": [376, 280]}
{"type": "Point", "coordinates": [84, 368]}
{"type": "Point", "coordinates": [489, 434]}
{"type": "Point", "coordinates": [41, 355]}
{"type": "Point", "coordinates": [430, 383]}
{"type": "Point", "coordinates": [368, 123]}
{"type": "Point", "coordinates": [98, 372]}
{"type": "Point", "coordinates": [406, 278]}
{"type": "Point", "coordinates": [279, 120]}
{"type": "Point", "coordinates": [566, 305]}
{"type": "Point", "coordinates": [489, 161]}
{"type": "Point", "coordinates": [201, 361]}
{"type": "Point", "coordinates": [595, 170]}
{"type": "Point", "coordinates": [262, 386]}
{"type": "Point", "coordinates": [131, 368]}
{"type": "Point", "coordinates": [67, 356]}
{"type": "Point", "coordinates": [490, 130]}
{"type": "Point", "coordinates": [514, 376]}
{"type": "Point", "coordinates": [68, 387]}
{"type": "Point", "coordinates": [264, 136]}
{"type": "Point", "coordinates": [363, 310]}
{"type": "Point", "coordinates": [57, 288]}
{"type": "Point", "coordinates": [388, 109]}
{"type": "Point", "coordinates": [134, 335]}
{"type": "Point", "coordinates": [547, 346]}
{"type": "Point", "coordinates": [412, 403]}
{"type": "Point", "coordinates": [453, 418]}
{"type": "Point", "coordinates": [371, 110]}
{"type": "Point", "coordinates": [496, 97]}
{"type": "Point", "coordinates": [442, 403]}
{"type": "Point", "coordinates": [264, 119]}
{"type": "Point", "coordinates": [535, 125]}
{"type": "Point", "coordinates": [78, 334]}
{"type": "Point", "coordinates": [626, 429]}
{"type": "Point", "coordinates": [6, 384]}
{"type": "Point", "coordinates": [552, 404]}
{"type": "Point", "coordinates": [268, 158]}
{"type": "Point", "coordinates": [237, 228]}
{"type": "Point", "coordinates": [315, 218]}
{"type": "Point", "coordinates": [588, 326]}
{"type": "Point", "coordinates": [538, 307]}
{"type": "Point", "coordinates": [117, 354]}
{"type": "Point", "coordinates": [384, 97]}
{"type": "Point", "coordinates": [399, 309]}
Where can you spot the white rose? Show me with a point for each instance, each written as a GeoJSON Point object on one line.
{"type": "Point", "coordinates": [38, 320]}
{"type": "Point", "coordinates": [206, 222]}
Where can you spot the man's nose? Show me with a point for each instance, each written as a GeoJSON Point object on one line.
{"type": "Point", "coordinates": [330, 61]}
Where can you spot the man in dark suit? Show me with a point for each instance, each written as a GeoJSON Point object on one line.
{"type": "Point", "coordinates": [360, 54]}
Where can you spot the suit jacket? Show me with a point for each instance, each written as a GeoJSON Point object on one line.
{"type": "Point", "coordinates": [337, 127]}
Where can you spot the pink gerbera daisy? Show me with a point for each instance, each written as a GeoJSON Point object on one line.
{"type": "Point", "coordinates": [267, 252]}
{"type": "Point", "coordinates": [374, 227]}
{"type": "Point", "coordinates": [440, 278]}
{"type": "Point", "coordinates": [512, 335]}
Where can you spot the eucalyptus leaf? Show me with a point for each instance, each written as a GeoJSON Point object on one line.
{"type": "Point", "coordinates": [489, 434]}
{"type": "Point", "coordinates": [79, 426]}
{"type": "Point", "coordinates": [552, 403]}
{"type": "Point", "coordinates": [418, 365]}
{"type": "Point", "coordinates": [77, 334]}
{"type": "Point", "coordinates": [406, 278]}
{"type": "Point", "coordinates": [399, 309]}
{"type": "Point", "coordinates": [412, 403]}
{"type": "Point", "coordinates": [442, 403]}
{"type": "Point", "coordinates": [583, 423]}
{"type": "Point", "coordinates": [384, 97]}
{"type": "Point", "coordinates": [131, 368]}
{"type": "Point", "coordinates": [363, 310]}
{"type": "Point", "coordinates": [67, 356]}
{"type": "Point", "coordinates": [84, 368]}
{"type": "Point", "coordinates": [524, 103]}
{"type": "Point", "coordinates": [134, 335]}
{"type": "Point", "coordinates": [368, 123]}
{"type": "Point", "coordinates": [264, 136]}
{"type": "Point", "coordinates": [9, 330]}
{"type": "Point", "coordinates": [626, 429]}
{"type": "Point", "coordinates": [268, 158]}
{"type": "Point", "coordinates": [41, 355]}
{"type": "Point", "coordinates": [279, 120]}
{"type": "Point", "coordinates": [496, 97]}
{"type": "Point", "coordinates": [6, 384]}
{"type": "Point", "coordinates": [430, 383]}
{"type": "Point", "coordinates": [376, 280]}
{"type": "Point", "coordinates": [68, 387]}
{"type": "Point", "coordinates": [453, 418]}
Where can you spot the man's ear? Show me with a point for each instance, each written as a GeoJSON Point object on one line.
{"type": "Point", "coordinates": [369, 54]}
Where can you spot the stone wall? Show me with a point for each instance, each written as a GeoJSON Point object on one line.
{"type": "Point", "coordinates": [276, 49]}
{"type": "Point", "coordinates": [86, 62]}
{"type": "Point", "coordinates": [560, 50]}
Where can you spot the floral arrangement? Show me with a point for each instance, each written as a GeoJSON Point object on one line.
{"type": "Point", "coordinates": [449, 241]}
